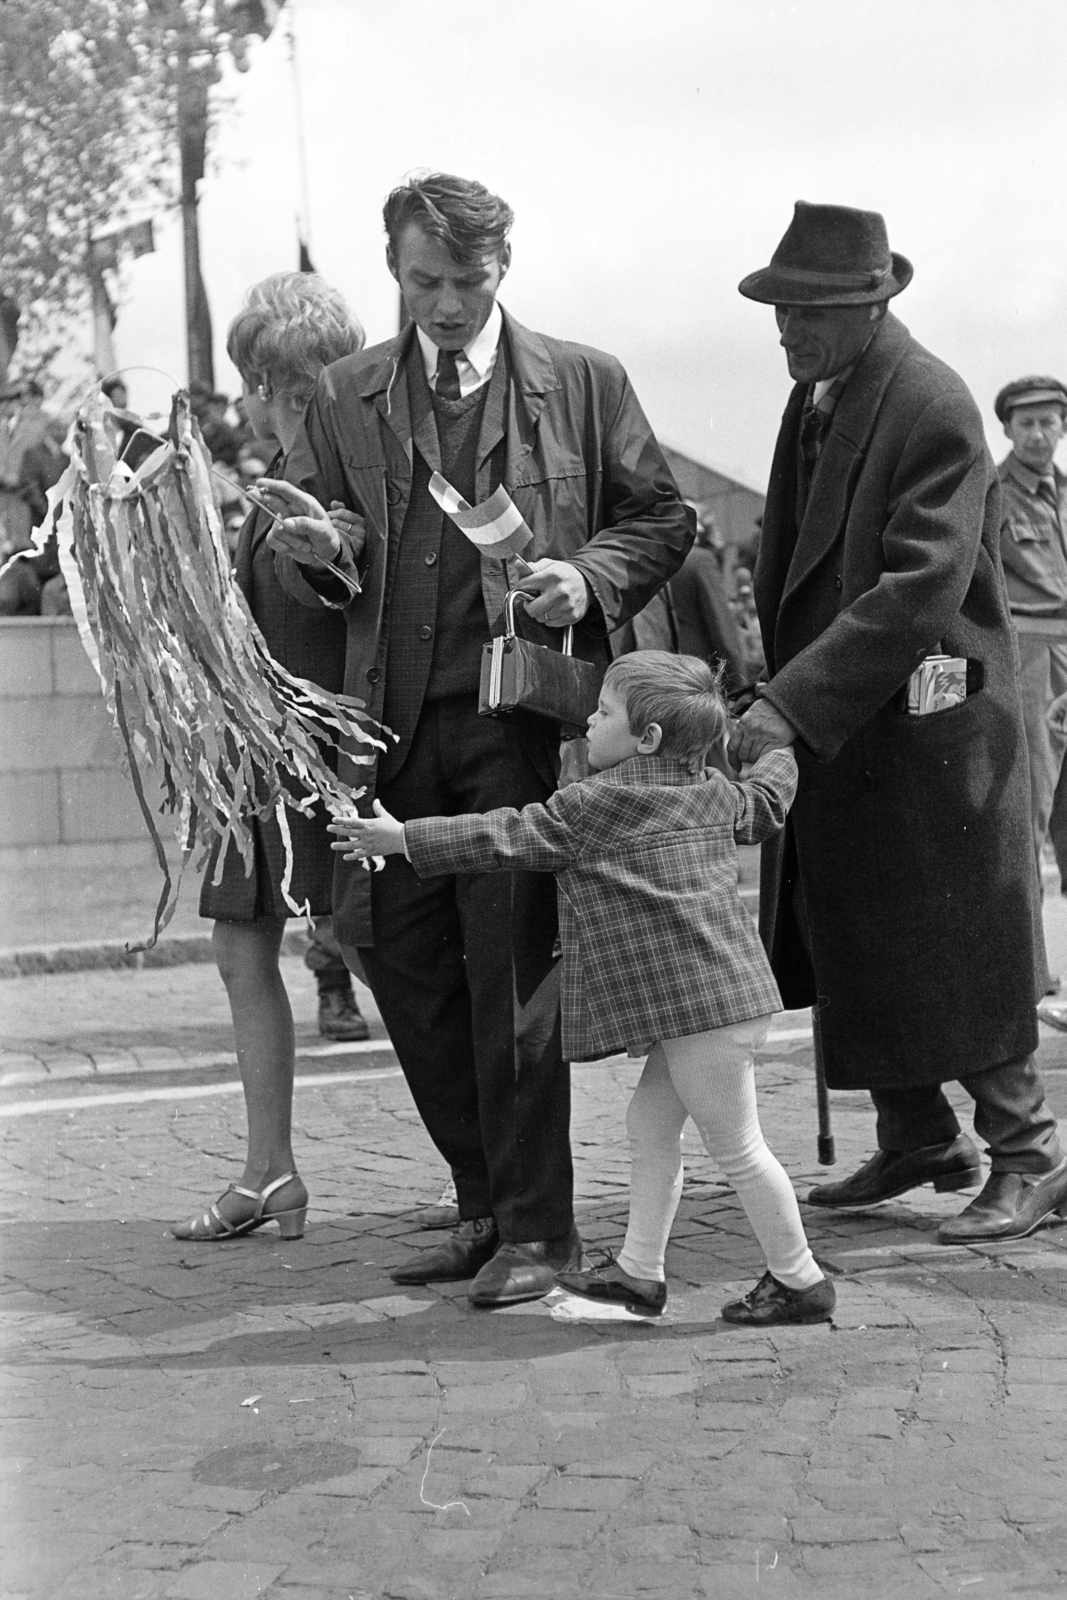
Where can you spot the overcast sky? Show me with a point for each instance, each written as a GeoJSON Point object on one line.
{"type": "Point", "coordinates": [652, 151]}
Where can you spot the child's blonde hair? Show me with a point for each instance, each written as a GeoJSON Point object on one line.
{"type": "Point", "coordinates": [683, 694]}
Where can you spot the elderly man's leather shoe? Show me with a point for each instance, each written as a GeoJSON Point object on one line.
{"type": "Point", "coordinates": [1011, 1205]}
{"type": "Point", "coordinates": [466, 1249]}
{"type": "Point", "coordinates": [525, 1271]}
{"type": "Point", "coordinates": [893, 1172]}
{"type": "Point", "coordinates": [771, 1303]}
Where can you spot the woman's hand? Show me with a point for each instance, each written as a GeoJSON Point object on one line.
{"type": "Point", "coordinates": [351, 525]}
{"type": "Point", "coordinates": [380, 835]}
{"type": "Point", "coordinates": [304, 530]}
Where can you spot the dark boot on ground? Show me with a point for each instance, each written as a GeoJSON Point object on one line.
{"type": "Point", "coordinates": [339, 1016]}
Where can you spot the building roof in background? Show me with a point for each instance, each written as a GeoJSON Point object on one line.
{"type": "Point", "coordinates": [734, 505]}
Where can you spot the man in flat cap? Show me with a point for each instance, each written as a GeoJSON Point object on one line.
{"type": "Point", "coordinates": [1033, 548]}
{"type": "Point", "coordinates": [901, 899]}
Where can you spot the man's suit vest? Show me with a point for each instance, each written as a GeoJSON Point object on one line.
{"type": "Point", "coordinates": [437, 618]}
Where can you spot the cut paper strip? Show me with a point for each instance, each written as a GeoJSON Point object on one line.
{"type": "Point", "coordinates": [214, 730]}
{"type": "Point", "coordinates": [496, 526]}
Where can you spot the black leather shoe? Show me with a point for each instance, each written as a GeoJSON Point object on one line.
{"type": "Point", "coordinates": [770, 1302]}
{"type": "Point", "coordinates": [467, 1248]}
{"type": "Point", "coordinates": [892, 1172]}
{"type": "Point", "coordinates": [340, 1017]}
{"type": "Point", "coordinates": [1011, 1205]}
{"type": "Point", "coordinates": [525, 1271]}
{"type": "Point", "coordinates": [645, 1297]}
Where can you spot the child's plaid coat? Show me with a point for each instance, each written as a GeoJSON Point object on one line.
{"type": "Point", "coordinates": [656, 943]}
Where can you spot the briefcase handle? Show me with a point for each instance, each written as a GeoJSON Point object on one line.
{"type": "Point", "coordinates": [510, 599]}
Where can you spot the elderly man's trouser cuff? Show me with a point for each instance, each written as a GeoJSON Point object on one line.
{"type": "Point", "coordinates": [1010, 1114]}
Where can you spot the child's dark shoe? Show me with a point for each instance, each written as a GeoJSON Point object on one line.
{"type": "Point", "coordinates": [643, 1296]}
{"type": "Point", "coordinates": [771, 1302]}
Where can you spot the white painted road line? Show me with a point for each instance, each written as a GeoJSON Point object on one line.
{"type": "Point", "coordinates": [182, 1091]}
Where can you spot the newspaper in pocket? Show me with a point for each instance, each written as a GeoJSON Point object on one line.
{"type": "Point", "coordinates": [936, 684]}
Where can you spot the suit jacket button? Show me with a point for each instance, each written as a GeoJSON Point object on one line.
{"type": "Point", "coordinates": [373, 675]}
{"type": "Point", "coordinates": [430, 558]}
{"type": "Point", "coordinates": [837, 583]}
{"type": "Point", "coordinates": [392, 494]}
{"type": "Point", "coordinates": [425, 632]}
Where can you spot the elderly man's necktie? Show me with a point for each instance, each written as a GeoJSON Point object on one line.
{"type": "Point", "coordinates": [447, 375]}
{"type": "Point", "coordinates": [812, 428]}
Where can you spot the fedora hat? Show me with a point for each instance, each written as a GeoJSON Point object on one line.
{"type": "Point", "coordinates": [830, 256]}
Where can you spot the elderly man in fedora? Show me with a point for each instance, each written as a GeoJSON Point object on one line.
{"type": "Point", "coordinates": [901, 899]}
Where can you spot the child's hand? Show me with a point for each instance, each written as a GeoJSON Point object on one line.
{"type": "Point", "coordinates": [1056, 715]}
{"type": "Point", "coordinates": [380, 835]}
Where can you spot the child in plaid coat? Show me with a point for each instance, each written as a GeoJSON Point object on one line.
{"type": "Point", "coordinates": [658, 952]}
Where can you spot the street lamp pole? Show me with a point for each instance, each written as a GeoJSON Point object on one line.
{"type": "Point", "coordinates": [192, 140]}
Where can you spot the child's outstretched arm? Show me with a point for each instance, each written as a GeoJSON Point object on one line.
{"type": "Point", "coordinates": [538, 838]}
{"type": "Point", "coordinates": [764, 796]}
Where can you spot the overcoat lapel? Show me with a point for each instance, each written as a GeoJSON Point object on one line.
{"type": "Point", "coordinates": [843, 451]}
{"type": "Point", "coordinates": [386, 387]}
{"type": "Point", "coordinates": [533, 376]}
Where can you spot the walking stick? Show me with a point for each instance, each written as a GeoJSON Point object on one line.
{"type": "Point", "coordinates": [825, 1142]}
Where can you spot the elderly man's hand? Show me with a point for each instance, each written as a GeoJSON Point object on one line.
{"type": "Point", "coordinates": [303, 529]}
{"type": "Point", "coordinates": [761, 728]}
{"type": "Point", "coordinates": [562, 593]}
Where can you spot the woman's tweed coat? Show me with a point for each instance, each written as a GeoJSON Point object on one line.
{"type": "Point", "coordinates": [656, 943]}
{"type": "Point", "coordinates": [309, 644]}
{"type": "Point", "coordinates": [910, 834]}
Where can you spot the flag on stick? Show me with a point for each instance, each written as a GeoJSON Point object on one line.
{"type": "Point", "coordinates": [496, 527]}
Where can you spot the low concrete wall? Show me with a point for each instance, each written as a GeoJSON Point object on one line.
{"type": "Point", "coordinates": [76, 860]}
{"type": "Point", "coordinates": [61, 777]}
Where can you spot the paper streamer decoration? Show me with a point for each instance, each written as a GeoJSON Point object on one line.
{"type": "Point", "coordinates": [204, 711]}
{"type": "Point", "coordinates": [496, 526]}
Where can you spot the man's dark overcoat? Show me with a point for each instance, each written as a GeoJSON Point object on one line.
{"type": "Point", "coordinates": [910, 834]}
{"type": "Point", "coordinates": [581, 464]}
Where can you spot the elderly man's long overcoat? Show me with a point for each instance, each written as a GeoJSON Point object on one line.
{"type": "Point", "coordinates": [910, 834]}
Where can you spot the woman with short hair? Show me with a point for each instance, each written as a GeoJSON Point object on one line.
{"type": "Point", "coordinates": [291, 326]}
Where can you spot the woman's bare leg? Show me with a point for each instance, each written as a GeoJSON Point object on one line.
{"type": "Point", "coordinates": [247, 956]}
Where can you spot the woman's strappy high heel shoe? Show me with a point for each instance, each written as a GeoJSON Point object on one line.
{"type": "Point", "coordinates": [212, 1226]}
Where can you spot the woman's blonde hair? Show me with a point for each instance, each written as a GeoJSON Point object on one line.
{"type": "Point", "coordinates": [291, 325]}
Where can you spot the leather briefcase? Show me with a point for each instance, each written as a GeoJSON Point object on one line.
{"type": "Point", "coordinates": [555, 684]}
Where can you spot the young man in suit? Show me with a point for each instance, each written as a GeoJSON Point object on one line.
{"type": "Point", "coordinates": [900, 899]}
{"type": "Point", "coordinates": [464, 969]}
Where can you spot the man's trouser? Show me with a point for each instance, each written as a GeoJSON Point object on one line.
{"type": "Point", "coordinates": [1042, 679]}
{"type": "Point", "coordinates": [465, 973]}
{"type": "Point", "coordinates": [323, 957]}
{"type": "Point", "coordinates": [1010, 1110]}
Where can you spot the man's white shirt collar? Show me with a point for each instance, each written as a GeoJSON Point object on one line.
{"type": "Point", "coordinates": [475, 362]}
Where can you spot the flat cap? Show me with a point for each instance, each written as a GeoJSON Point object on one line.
{"type": "Point", "coordinates": [1033, 391]}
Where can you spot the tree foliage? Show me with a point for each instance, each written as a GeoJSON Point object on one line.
{"type": "Point", "coordinates": [85, 124]}
{"type": "Point", "coordinates": [89, 98]}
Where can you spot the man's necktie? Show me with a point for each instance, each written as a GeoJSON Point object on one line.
{"type": "Point", "coordinates": [447, 375]}
{"type": "Point", "coordinates": [811, 431]}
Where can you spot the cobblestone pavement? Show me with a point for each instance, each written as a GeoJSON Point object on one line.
{"type": "Point", "coordinates": [194, 1422]}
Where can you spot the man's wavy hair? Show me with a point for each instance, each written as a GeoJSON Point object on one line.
{"type": "Point", "coordinates": [470, 222]}
{"type": "Point", "coordinates": [682, 693]}
{"type": "Point", "coordinates": [291, 325]}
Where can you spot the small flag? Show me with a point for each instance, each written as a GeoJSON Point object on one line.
{"type": "Point", "coordinates": [496, 526]}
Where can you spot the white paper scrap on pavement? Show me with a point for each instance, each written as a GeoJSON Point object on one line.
{"type": "Point", "coordinates": [576, 1308]}
{"type": "Point", "coordinates": [496, 526]}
